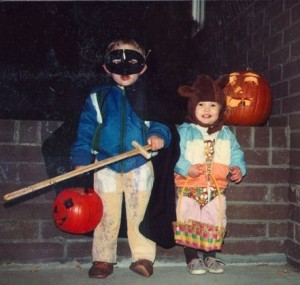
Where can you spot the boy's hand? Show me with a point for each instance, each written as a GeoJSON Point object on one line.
{"type": "Point", "coordinates": [236, 174]}
{"type": "Point", "coordinates": [196, 170]}
{"type": "Point", "coordinates": [155, 142]}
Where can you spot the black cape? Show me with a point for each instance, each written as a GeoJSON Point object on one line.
{"type": "Point", "coordinates": [161, 210]}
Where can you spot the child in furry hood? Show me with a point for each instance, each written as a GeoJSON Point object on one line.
{"type": "Point", "coordinates": [209, 154]}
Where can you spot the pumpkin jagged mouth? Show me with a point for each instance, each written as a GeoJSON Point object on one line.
{"type": "Point", "coordinates": [233, 102]}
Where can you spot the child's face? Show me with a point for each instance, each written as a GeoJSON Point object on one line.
{"type": "Point", "coordinates": [207, 112]}
{"type": "Point", "coordinates": [116, 66]}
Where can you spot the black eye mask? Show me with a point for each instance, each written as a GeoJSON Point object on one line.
{"type": "Point", "coordinates": [124, 62]}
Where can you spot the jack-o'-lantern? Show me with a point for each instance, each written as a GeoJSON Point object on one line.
{"type": "Point", "coordinates": [77, 210]}
{"type": "Point", "coordinates": [248, 99]}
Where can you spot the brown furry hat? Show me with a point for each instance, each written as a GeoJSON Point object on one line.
{"type": "Point", "coordinates": [205, 89]}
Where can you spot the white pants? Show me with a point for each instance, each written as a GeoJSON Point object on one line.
{"type": "Point", "coordinates": [110, 186]}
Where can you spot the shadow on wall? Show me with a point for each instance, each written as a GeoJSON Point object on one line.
{"type": "Point", "coordinates": [56, 152]}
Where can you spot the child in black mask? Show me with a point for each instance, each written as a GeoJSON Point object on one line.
{"type": "Point", "coordinates": [108, 125]}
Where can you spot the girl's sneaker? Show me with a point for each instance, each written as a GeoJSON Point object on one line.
{"type": "Point", "coordinates": [214, 265]}
{"type": "Point", "coordinates": [196, 266]}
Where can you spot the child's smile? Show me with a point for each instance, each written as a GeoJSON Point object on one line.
{"type": "Point", "coordinates": [207, 112]}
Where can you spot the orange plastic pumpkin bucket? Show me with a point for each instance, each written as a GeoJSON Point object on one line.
{"type": "Point", "coordinates": [77, 210]}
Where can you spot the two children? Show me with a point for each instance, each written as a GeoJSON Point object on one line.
{"type": "Point", "coordinates": [209, 153]}
{"type": "Point", "coordinates": [112, 118]}
{"type": "Point", "coordinates": [108, 125]}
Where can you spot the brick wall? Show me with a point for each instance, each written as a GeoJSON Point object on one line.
{"type": "Point", "coordinates": [263, 211]}
{"type": "Point", "coordinates": [265, 37]}
{"type": "Point", "coordinates": [258, 209]}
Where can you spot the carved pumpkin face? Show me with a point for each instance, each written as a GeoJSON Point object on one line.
{"type": "Point", "coordinates": [248, 99]}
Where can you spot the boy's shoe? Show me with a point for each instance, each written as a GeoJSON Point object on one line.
{"type": "Point", "coordinates": [196, 267]}
{"type": "Point", "coordinates": [101, 269]}
{"type": "Point", "coordinates": [143, 267]}
{"type": "Point", "coordinates": [214, 265]}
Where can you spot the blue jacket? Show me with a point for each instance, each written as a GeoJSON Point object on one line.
{"type": "Point", "coordinates": [227, 153]}
{"type": "Point", "coordinates": [119, 126]}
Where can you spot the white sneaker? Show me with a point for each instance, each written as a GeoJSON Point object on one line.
{"type": "Point", "coordinates": [196, 266]}
{"type": "Point", "coordinates": [214, 265]}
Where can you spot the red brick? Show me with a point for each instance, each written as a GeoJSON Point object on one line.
{"type": "Point", "coordinates": [246, 230]}
{"type": "Point", "coordinates": [256, 157]}
{"type": "Point", "coordinates": [79, 249]}
{"type": "Point", "coordinates": [260, 6]}
{"type": "Point", "coordinates": [295, 48]}
{"type": "Point", "coordinates": [294, 263]}
{"type": "Point", "coordinates": [30, 132]}
{"type": "Point", "coordinates": [279, 121]}
{"type": "Point", "coordinates": [48, 127]}
{"type": "Point", "coordinates": [291, 104]}
{"type": "Point", "coordinates": [294, 177]}
{"type": "Point", "coordinates": [294, 121]}
{"type": "Point", "coordinates": [295, 10]}
{"type": "Point", "coordinates": [278, 230]}
{"type": "Point", "coordinates": [267, 175]}
{"type": "Point", "coordinates": [293, 249]}
{"type": "Point", "coordinates": [280, 157]}
{"type": "Point", "coordinates": [279, 56]}
{"type": "Point", "coordinates": [297, 233]}
{"type": "Point", "coordinates": [294, 194]}
{"type": "Point", "coordinates": [295, 213]}
{"type": "Point", "coordinates": [262, 63]}
{"type": "Point", "coordinates": [28, 211]}
{"type": "Point", "coordinates": [31, 252]}
{"type": "Point", "coordinates": [174, 254]}
{"type": "Point", "coordinates": [7, 128]}
{"type": "Point", "coordinates": [255, 52]}
{"type": "Point", "coordinates": [262, 137]}
{"type": "Point", "coordinates": [32, 173]}
{"type": "Point", "coordinates": [19, 230]}
{"type": "Point", "coordinates": [279, 90]}
{"type": "Point", "coordinates": [274, 10]}
{"type": "Point", "coordinates": [19, 153]}
{"type": "Point", "coordinates": [295, 140]}
{"type": "Point", "coordinates": [276, 111]}
{"type": "Point", "coordinates": [294, 86]}
{"type": "Point", "coordinates": [50, 231]}
{"type": "Point", "coordinates": [290, 34]}
{"type": "Point", "coordinates": [280, 137]}
{"type": "Point", "coordinates": [9, 186]}
{"type": "Point", "coordinates": [247, 193]}
{"type": "Point", "coordinates": [257, 212]}
{"type": "Point", "coordinates": [243, 135]}
{"type": "Point", "coordinates": [253, 247]}
{"type": "Point", "coordinates": [8, 172]}
{"type": "Point", "coordinates": [294, 157]}
{"type": "Point", "coordinates": [260, 35]}
{"type": "Point", "coordinates": [273, 43]}
{"type": "Point", "coordinates": [275, 76]}
{"type": "Point", "coordinates": [290, 230]}
{"type": "Point", "coordinates": [280, 23]}
{"type": "Point", "coordinates": [279, 194]}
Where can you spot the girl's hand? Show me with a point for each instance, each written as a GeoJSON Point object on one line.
{"type": "Point", "coordinates": [196, 170]}
{"type": "Point", "coordinates": [236, 174]}
{"type": "Point", "coordinates": [155, 142]}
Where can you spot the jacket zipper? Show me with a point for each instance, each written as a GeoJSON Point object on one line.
{"type": "Point", "coordinates": [123, 116]}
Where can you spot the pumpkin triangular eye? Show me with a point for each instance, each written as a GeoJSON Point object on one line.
{"type": "Point", "coordinates": [68, 203]}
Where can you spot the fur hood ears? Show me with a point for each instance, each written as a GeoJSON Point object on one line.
{"type": "Point", "coordinates": [204, 84]}
{"type": "Point", "coordinates": [205, 89]}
